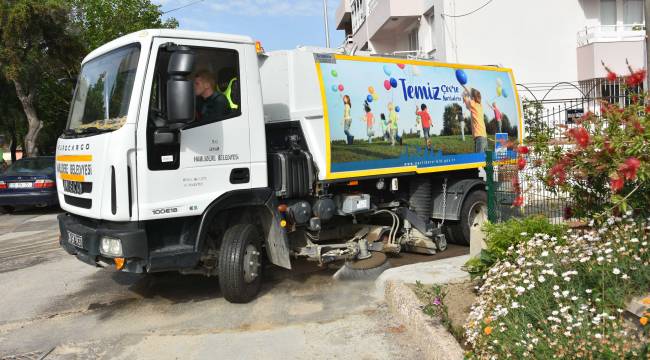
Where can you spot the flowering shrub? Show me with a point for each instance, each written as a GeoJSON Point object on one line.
{"type": "Point", "coordinates": [554, 299]}
{"type": "Point", "coordinates": [501, 236]}
{"type": "Point", "coordinates": [608, 166]}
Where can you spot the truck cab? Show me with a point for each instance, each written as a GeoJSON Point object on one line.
{"type": "Point", "coordinates": [150, 183]}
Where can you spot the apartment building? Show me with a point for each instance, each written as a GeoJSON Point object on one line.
{"type": "Point", "coordinates": [545, 42]}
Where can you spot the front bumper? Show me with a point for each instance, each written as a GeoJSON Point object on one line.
{"type": "Point", "coordinates": [29, 198]}
{"type": "Point", "coordinates": [132, 236]}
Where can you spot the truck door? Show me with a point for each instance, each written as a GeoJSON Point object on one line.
{"type": "Point", "coordinates": [213, 154]}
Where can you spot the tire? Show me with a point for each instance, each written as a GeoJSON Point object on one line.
{"type": "Point", "coordinates": [240, 282]}
{"type": "Point", "coordinates": [458, 232]}
{"type": "Point", "coordinates": [8, 209]}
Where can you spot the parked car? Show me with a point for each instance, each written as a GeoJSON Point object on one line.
{"type": "Point", "coordinates": [28, 182]}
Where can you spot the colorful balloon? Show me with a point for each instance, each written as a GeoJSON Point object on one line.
{"type": "Point", "coordinates": [499, 90]}
{"type": "Point", "coordinates": [341, 87]}
{"type": "Point", "coordinates": [369, 98]}
{"type": "Point", "coordinates": [387, 84]}
{"type": "Point", "coordinates": [334, 88]}
{"type": "Point", "coordinates": [461, 76]}
{"type": "Point", "coordinates": [375, 96]}
{"type": "Point", "coordinates": [334, 73]}
{"type": "Point", "coordinates": [393, 82]}
{"type": "Point", "coordinates": [386, 70]}
{"type": "Point", "coordinates": [504, 93]}
{"type": "Point", "coordinates": [371, 89]}
{"type": "Point", "coordinates": [401, 66]}
{"type": "Point", "coordinates": [396, 108]}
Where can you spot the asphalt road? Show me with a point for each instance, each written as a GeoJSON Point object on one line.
{"type": "Point", "coordinates": [53, 304]}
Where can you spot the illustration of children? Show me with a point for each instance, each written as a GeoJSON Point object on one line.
{"type": "Point", "coordinates": [347, 119]}
{"type": "Point", "coordinates": [370, 120]}
{"type": "Point", "coordinates": [425, 119]}
{"type": "Point", "coordinates": [472, 100]}
{"type": "Point", "coordinates": [385, 127]}
{"type": "Point", "coordinates": [392, 119]}
{"type": "Point", "coordinates": [497, 114]}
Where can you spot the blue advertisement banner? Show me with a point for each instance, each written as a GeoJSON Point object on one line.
{"type": "Point", "coordinates": [393, 115]}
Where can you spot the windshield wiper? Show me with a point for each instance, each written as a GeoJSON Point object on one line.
{"type": "Point", "coordinates": [88, 130]}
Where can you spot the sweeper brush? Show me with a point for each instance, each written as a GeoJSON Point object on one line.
{"type": "Point", "coordinates": [366, 269]}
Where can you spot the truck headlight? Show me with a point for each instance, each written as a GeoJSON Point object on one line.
{"type": "Point", "coordinates": [110, 246]}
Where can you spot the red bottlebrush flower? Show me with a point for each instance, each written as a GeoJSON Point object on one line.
{"type": "Point", "coordinates": [557, 175]}
{"type": "Point", "coordinates": [637, 125]}
{"type": "Point", "coordinates": [521, 163]}
{"type": "Point", "coordinates": [608, 146]}
{"type": "Point", "coordinates": [519, 201]}
{"type": "Point", "coordinates": [611, 76]}
{"type": "Point", "coordinates": [616, 183]}
{"type": "Point", "coordinates": [523, 149]}
{"type": "Point", "coordinates": [515, 185]}
{"type": "Point", "coordinates": [633, 162]}
{"type": "Point", "coordinates": [580, 135]}
{"type": "Point", "coordinates": [647, 109]}
{"type": "Point", "coordinates": [585, 117]}
{"type": "Point", "coordinates": [635, 99]}
{"type": "Point", "coordinates": [568, 212]}
{"type": "Point", "coordinates": [515, 181]}
{"type": "Point", "coordinates": [636, 78]}
{"type": "Point", "coordinates": [629, 168]}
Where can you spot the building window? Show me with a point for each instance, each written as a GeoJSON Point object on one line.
{"type": "Point", "coordinates": [633, 11]}
{"type": "Point", "coordinates": [608, 14]}
{"type": "Point", "coordinates": [413, 40]}
{"type": "Point", "coordinates": [358, 10]}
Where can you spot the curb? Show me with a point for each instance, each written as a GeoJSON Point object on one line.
{"type": "Point", "coordinates": [428, 334]}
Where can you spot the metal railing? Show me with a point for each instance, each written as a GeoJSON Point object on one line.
{"type": "Point", "coordinates": [609, 33]}
{"type": "Point", "coordinates": [505, 181]}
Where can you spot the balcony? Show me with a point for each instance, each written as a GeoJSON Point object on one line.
{"type": "Point", "coordinates": [610, 33]}
{"type": "Point", "coordinates": [387, 19]}
{"type": "Point", "coordinates": [612, 44]}
{"type": "Point", "coordinates": [343, 16]}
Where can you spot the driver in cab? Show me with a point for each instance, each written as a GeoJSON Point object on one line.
{"type": "Point", "coordinates": [210, 105]}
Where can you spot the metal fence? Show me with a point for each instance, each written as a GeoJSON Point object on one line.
{"type": "Point", "coordinates": [518, 193]}
{"type": "Point", "coordinates": [506, 183]}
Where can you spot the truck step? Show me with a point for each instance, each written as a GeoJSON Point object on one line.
{"type": "Point", "coordinates": [171, 250]}
{"type": "Point", "coordinates": [175, 257]}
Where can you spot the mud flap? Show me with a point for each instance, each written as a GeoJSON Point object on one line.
{"type": "Point", "coordinates": [276, 241]}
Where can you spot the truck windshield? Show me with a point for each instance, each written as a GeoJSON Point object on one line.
{"type": "Point", "coordinates": [103, 93]}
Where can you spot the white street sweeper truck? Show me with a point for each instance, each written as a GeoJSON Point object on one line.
{"type": "Point", "coordinates": [200, 153]}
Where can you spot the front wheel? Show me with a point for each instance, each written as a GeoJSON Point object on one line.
{"type": "Point", "coordinates": [240, 263]}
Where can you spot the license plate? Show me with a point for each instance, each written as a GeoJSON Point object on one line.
{"type": "Point", "coordinates": [75, 239]}
{"type": "Point", "coordinates": [21, 185]}
{"type": "Point", "coordinates": [72, 187]}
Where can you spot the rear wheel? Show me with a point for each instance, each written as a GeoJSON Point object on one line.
{"type": "Point", "coordinates": [474, 204]}
{"type": "Point", "coordinates": [240, 263]}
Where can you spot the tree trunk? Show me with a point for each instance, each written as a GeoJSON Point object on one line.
{"type": "Point", "coordinates": [34, 123]}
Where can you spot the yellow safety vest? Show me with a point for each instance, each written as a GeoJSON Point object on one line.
{"type": "Point", "coordinates": [227, 94]}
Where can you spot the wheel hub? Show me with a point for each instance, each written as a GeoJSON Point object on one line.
{"type": "Point", "coordinates": [251, 263]}
{"type": "Point", "coordinates": [476, 209]}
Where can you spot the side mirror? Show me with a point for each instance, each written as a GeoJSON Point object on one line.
{"type": "Point", "coordinates": [180, 89]}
